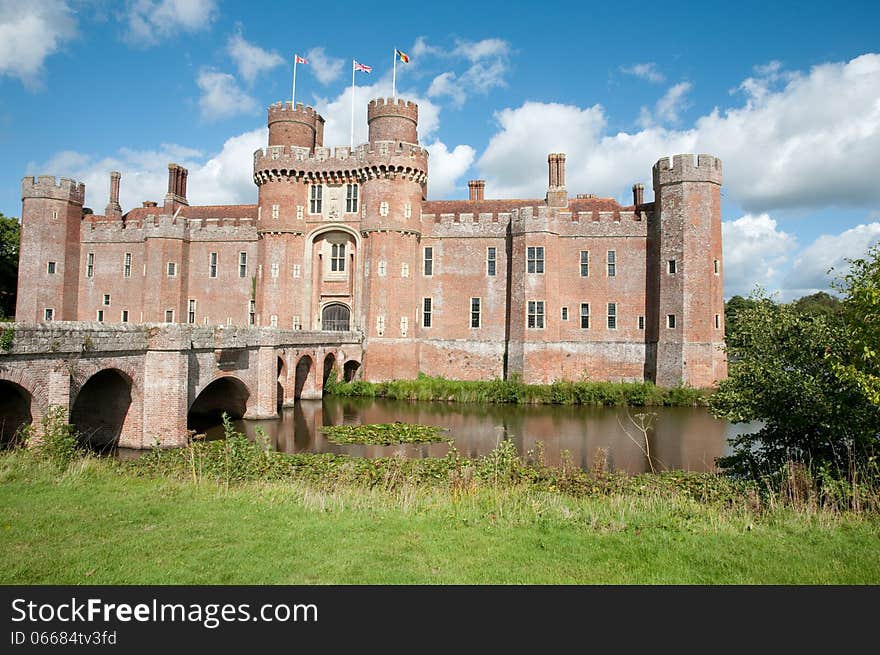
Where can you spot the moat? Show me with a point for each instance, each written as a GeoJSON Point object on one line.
{"type": "Point", "coordinates": [686, 438]}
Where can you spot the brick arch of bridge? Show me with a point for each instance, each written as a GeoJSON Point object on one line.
{"type": "Point", "coordinates": [233, 377]}
{"type": "Point", "coordinates": [297, 383]}
{"type": "Point", "coordinates": [34, 380]}
{"type": "Point", "coordinates": [131, 373]}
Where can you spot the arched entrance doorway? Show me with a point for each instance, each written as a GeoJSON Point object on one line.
{"type": "Point", "coordinates": [226, 394]}
{"type": "Point", "coordinates": [100, 409]}
{"type": "Point", "coordinates": [15, 410]}
{"type": "Point", "coordinates": [336, 317]}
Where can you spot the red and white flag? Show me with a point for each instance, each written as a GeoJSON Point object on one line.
{"type": "Point", "coordinates": [362, 67]}
{"type": "Point", "coordinates": [299, 60]}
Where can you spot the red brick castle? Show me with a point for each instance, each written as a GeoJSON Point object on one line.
{"type": "Point", "coordinates": [345, 239]}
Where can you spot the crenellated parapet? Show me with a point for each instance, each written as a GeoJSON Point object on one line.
{"type": "Point", "coordinates": [45, 186]}
{"type": "Point", "coordinates": [367, 161]}
{"type": "Point", "coordinates": [297, 126]}
{"type": "Point", "coordinates": [687, 168]}
{"type": "Point", "coordinates": [169, 227]}
{"type": "Point", "coordinates": [393, 119]}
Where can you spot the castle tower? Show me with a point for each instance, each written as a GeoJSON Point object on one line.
{"type": "Point", "coordinates": [298, 126]}
{"type": "Point", "coordinates": [49, 254]}
{"type": "Point", "coordinates": [686, 298]}
{"type": "Point", "coordinates": [394, 280]}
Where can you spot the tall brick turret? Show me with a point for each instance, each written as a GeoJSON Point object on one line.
{"type": "Point", "coordinates": [686, 301]}
{"type": "Point", "coordinates": [298, 126]}
{"type": "Point", "coordinates": [49, 260]}
{"type": "Point", "coordinates": [393, 119]}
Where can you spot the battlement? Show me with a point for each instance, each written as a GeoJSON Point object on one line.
{"type": "Point", "coordinates": [286, 111]}
{"type": "Point", "coordinates": [298, 126]}
{"type": "Point", "coordinates": [45, 186]}
{"type": "Point", "coordinates": [687, 168]}
{"type": "Point", "coordinates": [393, 119]}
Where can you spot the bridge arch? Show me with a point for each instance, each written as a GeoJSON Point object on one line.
{"type": "Point", "coordinates": [101, 408]}
{"type": "Point", "coordinates": [226, 394]}
{"type": "Point", "coordinates": [15, 410]}
{"type": "Point", "coordinates": [350, 369]}
{"type": "Point", "coordinates": [329, 363]}
{"type": "Point", "coordinates": [281, 381]}
{"type": "Point", "coordinates": [304, 367]}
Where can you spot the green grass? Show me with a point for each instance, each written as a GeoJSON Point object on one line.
{"type": "Point", "coordinates": [103, 522]}
{"type": "Point", "coordinates": [514, 391]}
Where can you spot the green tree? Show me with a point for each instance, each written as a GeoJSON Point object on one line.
{"type": "Point", "coordinates": [818, 303]}
{"type": "Point", "coordinates": [10, 234]}
{"type": "Point", "coordinates": [780, 375]}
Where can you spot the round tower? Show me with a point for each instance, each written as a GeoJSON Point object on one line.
{"type": "Point", "coordinates": [298, 126]}
{"type": "Point", "coordinates": [393, 119]}
{"type": "Point", "coordinates": [686, 308]}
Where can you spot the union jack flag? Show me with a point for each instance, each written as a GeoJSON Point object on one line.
{"type": "Point", "coordinates": [362, 67]}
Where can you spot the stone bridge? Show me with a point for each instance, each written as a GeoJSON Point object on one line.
{"type": "Point", "coordinates": [138, 385]}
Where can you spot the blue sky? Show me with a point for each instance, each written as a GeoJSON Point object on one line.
{"type": "Point", "coordinates": [787, 94]}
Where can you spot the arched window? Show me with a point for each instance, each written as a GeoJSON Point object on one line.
{"type": "Point", "coordinates": [336, 317]}
{"type": "Point", "coordinates": [337, 257]}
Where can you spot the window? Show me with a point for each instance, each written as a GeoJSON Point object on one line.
{"type": "Point", "coordinates": [565, 313]}
{"type": "Point", "coordinates": [337, 257]}
{"type": "Point", "coordinates": [275, 211]}
{"type": "Point", "coordinates": [100, 316]}
{"type": "Point", "coordinates": [383, 208]}
{"type": "Point", "coordinates": [191, 311]}
{"type": "Point", "coordinates": [380, 269]}
{"type": "Point", "coordinates": [106, 299]}
{"type": "Point", "coordinates": [172, 269]}
{"type": "Point", "coordinates": [429, 261]}
{"type": "Point", "coordinates": [670, 266]}
{"type": "Point", "coordinates": [612, 263]}
{"type": "Point", "coordinates": [670, 321]}
{"type": "Point", "coordinates": [316, 192]}
{"type": "Point", "coordinates": [273, 320]}
{"type": "Point", "coordinates": [297, 270]}
{"type": "Point", "coordinates": [351, 198]}
{"type": "Point", "coordinates": [169, 316]}
{"type": "Point", "coordinates": [407, 210]}
{"type": "Point", "coordinates": [475, 312]}
{"type": "Point", "coordinates": [274, 269]}
{"type": "Point", "coordinates": [535, 259]}
{"type": "Point", "coordinates": [585, 263]}
{"type": "Point", "coordinates": [585, 315]}
{"type": "Point", "coordinates": [252, 312]}
{"type": "Point", "coordinates": [90, 265]}
{"type": "Point", "coordinates": [612, 316]}
{"type": "Point", "coordinates": [536, 314]}
{"type": "Point", "coordinates": [717, 321]}
{"type": "Point", "coordinates": [55, 214]}
{"type": "Point", "coordinates": [716, 265]}
{"type": "Point", "coordinates": [491, 263]}
{"type": "Point", "coordinates": [300, 210]}
{"type": "Point", "coordinates": [426, 312]}
{"type": "Point", "coordinates": [242, 264]}
{"type": "Point", "coordinates": [641, 322]}
{"type": "Point", "coordinates": [404, 325]}
{"type": "Point", "coordinates": [126, 266]}
{"type": "Point", "coordinates": [297, 323]}
{"type": "Point", "coordinates": [380, 325]}
{"type": "Point", "coordinates": [48, 314]}
{"type": "Point", "coordinates": [50, 268]}
{"type": "Point", "coordinates": [124, 317]}
{"type": "Point", "coordinates": [404, 270]}
{"type": "Point", "coordinates": [213, 266]}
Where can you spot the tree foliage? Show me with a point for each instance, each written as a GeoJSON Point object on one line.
{"type": "Point", "coordinates": [10, 234]}
{"type": "Point", "coordinates": [811, 378]}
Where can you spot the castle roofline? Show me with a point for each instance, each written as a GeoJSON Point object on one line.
{"type": "Point", "coordinates": [197, 212]}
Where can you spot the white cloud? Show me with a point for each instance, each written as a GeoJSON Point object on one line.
{"type": "Point", "coordinates": [668, 107]}
{"type": "Point", "coordinates": [29, 33]}
{"type": "Point", "coordinates": [480, 50]}
{"type": "Point", "coordinates": [489, 65]}
{"type": "Point", "coordinates": [755, 250]}
{"type": "Point", "coordinates": [221, 96]}
{"type": "Point", "coordinates": [149, 21]}
{"type": "Point", "coordinates": [224, 178]}
{"type": "Point", "coordinates": [326, 69]}
{"type": "Point", "coordinates": [809, 273]}
{"type": "Point", "coordinates": [446, 168]}
{"type": "Point", "coordinates": [445, 85]}
{"type": "Point", "coordinates": [647, 71]}
{"type": "Point", "coordinates": [250, 59]}
{"type": "Point", "coordinates": [812, 142]}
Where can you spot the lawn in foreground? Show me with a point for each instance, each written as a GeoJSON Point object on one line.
{"type": "Point", "coordinates": [99, 525]}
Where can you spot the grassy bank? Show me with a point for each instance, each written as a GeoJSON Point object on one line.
{"type": "Point", "coordinates": [229, 512]}
{"type": "Point", "coordinates": [514, 391]}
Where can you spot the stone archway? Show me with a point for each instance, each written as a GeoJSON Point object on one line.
{"type": "Point", "coordinates": [15, 411]}
{"type": "Point", "coordinates": [101, 408]}
{"type": "Point", "coordinates": [226, 394]}
{"type": "Point", "coordinates": [303, 369]}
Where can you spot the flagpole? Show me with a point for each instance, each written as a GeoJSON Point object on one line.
{"type": "Point", "coordinates": [351, 139]}
{"type": "Point", "coordinates": [293, 95]}
{"type": "Point", "coordinates": [394, 74]}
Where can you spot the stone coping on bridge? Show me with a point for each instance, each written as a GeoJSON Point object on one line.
{"type": "Point", "coordinates": [82, 337]}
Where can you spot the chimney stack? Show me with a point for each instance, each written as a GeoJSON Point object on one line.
{"type": "Point", "coordinates": [638, 194]}
{"type": "Point", "coordinates": [176, 188]}
{"type": "Point", "coordinates": [560, 169]}
{"type": "Point", "coordinates": [477, 189]}
{"type": "Point", "coordinates": [114, 209]}
{"type": "Point", "coordinates": [556, 193]}
{"type": "Point", "coordinates": [551, 165]}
